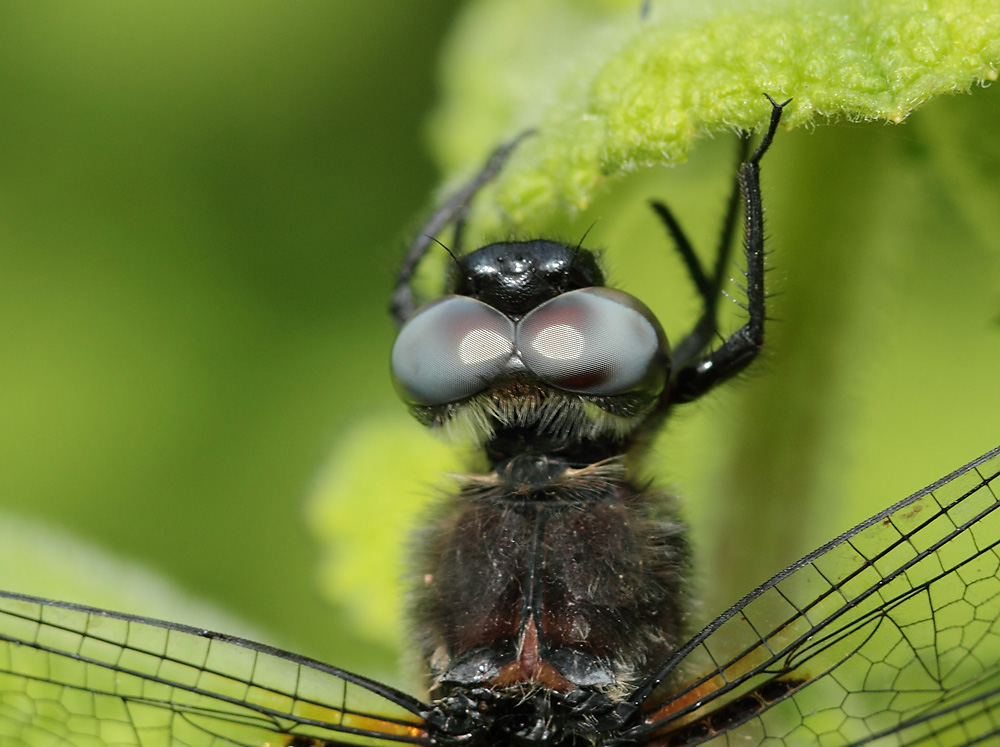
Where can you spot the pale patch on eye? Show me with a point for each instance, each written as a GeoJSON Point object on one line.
{"type": "Point", "coordinates": [559, 342]}
{"type": "Point", "coordinates": [479, 345]}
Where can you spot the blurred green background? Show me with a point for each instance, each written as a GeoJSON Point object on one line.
{"type": "Point", "coordinates": [201, 210]}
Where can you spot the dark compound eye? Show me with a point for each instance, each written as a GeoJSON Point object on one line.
{"type": "Point", "coordinates": [594, 341]}
{"type": "Point", "coordinates": [450, 350]}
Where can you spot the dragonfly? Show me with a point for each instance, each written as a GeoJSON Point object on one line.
{"type": "Point", "coordinates": [889, 634]}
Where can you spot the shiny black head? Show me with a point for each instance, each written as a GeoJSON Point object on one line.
{"type": "Point", "coordinates": [517, 276]}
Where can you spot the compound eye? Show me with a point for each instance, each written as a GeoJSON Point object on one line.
{"type": "Point", "coordinates": [451, 349]}
{"type": "Point", "coordinates": [594, 341]}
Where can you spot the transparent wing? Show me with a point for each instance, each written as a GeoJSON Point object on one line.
{"type": "Point", "coordinates": [888, 635]}
{"type": "Point", "coordinates": [82, 677]}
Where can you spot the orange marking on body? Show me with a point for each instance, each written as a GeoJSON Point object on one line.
{"type": "Point", "coordinates": [530, 666]}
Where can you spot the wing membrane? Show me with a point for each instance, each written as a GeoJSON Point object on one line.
{"type": "Point", "coordinates": [73, 675]}
{"type": "Point", "coordinates": [890, 634]}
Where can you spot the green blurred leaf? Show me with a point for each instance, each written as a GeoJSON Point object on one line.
{"type": "Point", "coordinates": [368, 497]}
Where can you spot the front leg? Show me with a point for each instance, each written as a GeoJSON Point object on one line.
{"type": "Point", "coordinates": [453, 210]}
{"type": "Point", "coordinates": [741, 347]}
{"type": "Point", "coordinates": [709, 286]}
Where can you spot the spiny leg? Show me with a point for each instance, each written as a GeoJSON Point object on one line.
{"type": "Point", "coordinates": [709, 286]}
{"type": "Point", "coordinates": [403, 303]}
{"type": "Point", "coordinates": [741, 347]}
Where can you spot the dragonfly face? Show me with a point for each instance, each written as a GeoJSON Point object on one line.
{"type": "Point", "coordinates": [551, 586]}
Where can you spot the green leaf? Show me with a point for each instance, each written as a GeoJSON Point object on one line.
{"type": "Point", "coordinates": [609, 91]}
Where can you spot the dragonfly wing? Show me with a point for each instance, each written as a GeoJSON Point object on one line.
{"type": "Point", "coordinates": [890, 634]}
{"type": "Point", "coordinates": [83, 677]}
